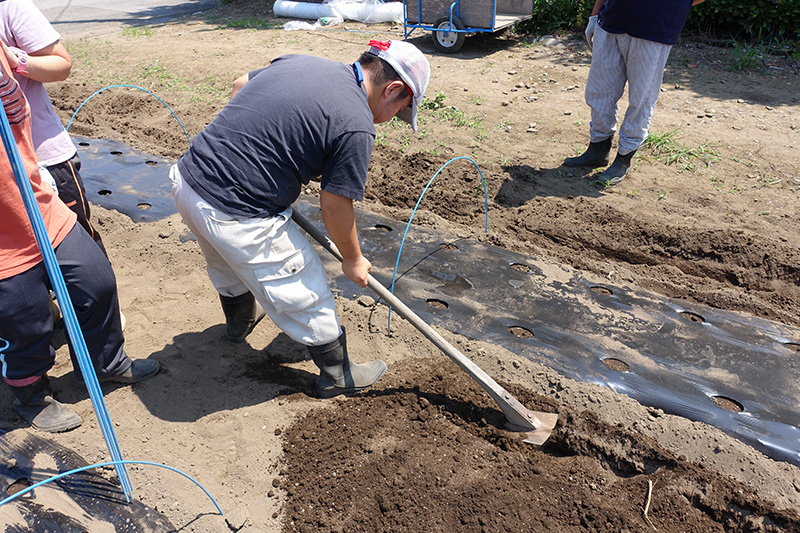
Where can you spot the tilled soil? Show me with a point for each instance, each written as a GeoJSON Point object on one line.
{"type": "Point", "coordinates": [428, 453]}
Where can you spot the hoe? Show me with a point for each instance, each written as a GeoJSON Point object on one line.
{"type": "Point", "coordinates": [534, 426]}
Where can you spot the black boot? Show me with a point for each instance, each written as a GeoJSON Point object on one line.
{"type": "Point", "coordinates": [36, 405]}
{"type": "Point", "coordinates": [242, 313]}
{"type": "Point", "coordinates": [618, 170]}
{"type": "Point", "coordinates": [596, 155]}
{"type": "Point", "coordinates": [338, 375]}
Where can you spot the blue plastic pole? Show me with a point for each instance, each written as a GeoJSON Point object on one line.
{"type": "Point", "coordinates": [67, 309]}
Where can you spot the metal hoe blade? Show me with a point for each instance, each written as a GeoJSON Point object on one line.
{"type": "Point", "coordinates": [536, 426]}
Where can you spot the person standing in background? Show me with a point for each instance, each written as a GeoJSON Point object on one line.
{"type": "Point", "coordinates": [630, 41]}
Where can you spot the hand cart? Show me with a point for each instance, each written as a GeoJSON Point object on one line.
{"type": "Point", "coordinates": [450, 22]}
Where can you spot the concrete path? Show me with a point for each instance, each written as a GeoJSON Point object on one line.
{"type": "Point", "coordinates": [77, 18]}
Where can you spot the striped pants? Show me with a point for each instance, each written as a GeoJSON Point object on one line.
{"type": "Point", "coordinates": [617, 59]}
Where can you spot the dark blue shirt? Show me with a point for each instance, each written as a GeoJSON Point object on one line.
{"type": "Point", "coordinates": [654, 20]}
{"type": "Point", "coordinates": [299, 118]}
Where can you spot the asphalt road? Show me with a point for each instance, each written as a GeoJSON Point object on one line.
{"type": "Point", "coordinates": [76, 18]}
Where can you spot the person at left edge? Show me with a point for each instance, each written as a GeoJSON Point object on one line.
{"type": "Point", "coordinates": [26, 321]}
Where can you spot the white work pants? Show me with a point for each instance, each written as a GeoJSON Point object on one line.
{"type": "Point", "coordinates": [618, 58]}
{"type": "Point", "coordinates": [269, 257]}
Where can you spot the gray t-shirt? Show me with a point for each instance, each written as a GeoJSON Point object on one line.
{"type": "Point", "coordinates": [299, 118]}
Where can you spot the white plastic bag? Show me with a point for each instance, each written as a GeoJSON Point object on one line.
{"type": "Point", "coordinates": [328, 21]}
{"type": "Point", "coordinates": [294, 25]}
{"type": "Point", "coordinates": [321, 22]}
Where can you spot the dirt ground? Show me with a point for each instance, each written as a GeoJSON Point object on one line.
{"type": "Point", "coordinates": [710, 219]}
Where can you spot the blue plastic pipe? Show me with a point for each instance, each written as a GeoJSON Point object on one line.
{"type": "Point", "coordinates": [115, 463]}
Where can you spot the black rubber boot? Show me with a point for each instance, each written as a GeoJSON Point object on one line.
{"type": "Point", "coordinates": [36, 405]}
{"type": "Point", "coordinates": [242, 313]}
{"type": "Point", "coordinates": [617, 171]}
{"type": "Point", "coordinates": [338, 375]}
{"type": "Point", "coordinates": [596, 155]}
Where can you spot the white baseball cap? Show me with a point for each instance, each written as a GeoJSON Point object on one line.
{"type": "Point", "coordinates": [413, 68]}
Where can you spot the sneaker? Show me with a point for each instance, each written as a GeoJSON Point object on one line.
{"type": "Point", "coordinates": [139, 370]}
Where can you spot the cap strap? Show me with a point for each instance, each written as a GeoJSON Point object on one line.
{"type": "Point", "coordinates": [359, 73]}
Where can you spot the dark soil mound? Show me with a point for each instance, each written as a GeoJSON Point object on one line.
{"type": "Point", "coordinates": [428, 453]}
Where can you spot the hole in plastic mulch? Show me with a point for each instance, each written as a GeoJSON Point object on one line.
{"type": "Point", "coordinates": [728, 404]}
{"type": "Point", "coordinates": [519, 331]}
{"type": "Point", "coordinates": [616, 364]}
{"type": "Point", "coordinates": [601, 290]}
{"type": "Point", "coordinates": [694, 317]}
{"type": "Point", "coordinates": [437, 304]}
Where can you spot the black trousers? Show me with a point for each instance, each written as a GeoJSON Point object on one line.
{"type": "Point", "coordinates": [73, 193]}
{"type": "Point", "coordinates": [26, 323]}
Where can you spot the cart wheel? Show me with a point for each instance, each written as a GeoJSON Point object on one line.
{"type": "Point", "coordinates": [447, 41]}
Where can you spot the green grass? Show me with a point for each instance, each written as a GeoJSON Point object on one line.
{"type": "Point", "coordinates": [480, 137]}
{"type": "Point", "coordinates": [439, 111]}
{"type": "Point", "coordinates": [605, 184]}
{"type": "Point", "coordinates": [432, 104]}
{"type": "Point", "coordinates": [405, 142]}
{"type": "Point", "coordinates": [158, 76]}
{"type": "Point", "coordinates": [395, 122]}
{"type": "Point", "coordinates": [154, 76]}
{"type": "Point", "coordinates": [722, 185]}
{"type": "Point", "coordinates": [139, 31]}
{"type": "Point", "coordinates": [458, 118]}
{"type": "Point", "coordinates": [746, 57]}
{"type": "Point", "coordinates": [211, 90]}
{"type": "Point", "coordinates": [84, 52]}
{"type": "Point", "coordinates": [664, 147]}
